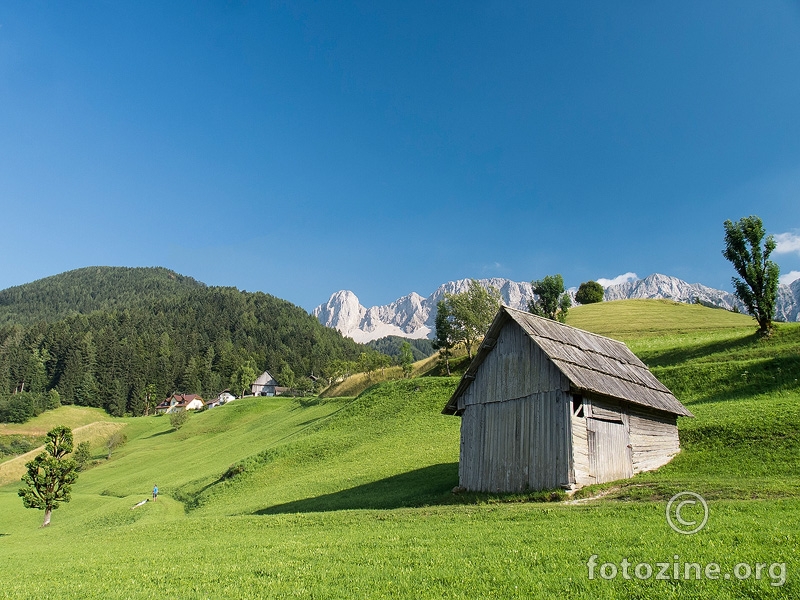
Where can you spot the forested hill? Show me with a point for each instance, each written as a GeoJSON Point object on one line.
{"type": "Point", "coordinates": [89, 289]}
{"type": "Point", "coordinates": [131, 335]}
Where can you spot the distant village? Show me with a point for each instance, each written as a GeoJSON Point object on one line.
{"type": "Point", "coordinates": [265, 385]}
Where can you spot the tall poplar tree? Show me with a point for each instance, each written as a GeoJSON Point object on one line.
{"type": "Point", "coordinates": [758, 286]}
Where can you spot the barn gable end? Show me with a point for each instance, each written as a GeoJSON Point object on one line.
{"type": "Point", "coordinates": [544, 405]}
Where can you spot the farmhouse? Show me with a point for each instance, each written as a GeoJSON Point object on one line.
{"type": "Point", "coordinates": [265, 385]}
{"type": "Point", "coordinates": [223, 398]}
{"type": "Point", "coordinates": [544, 405]}
{"type": "Point", "coordinates": [178, 402]}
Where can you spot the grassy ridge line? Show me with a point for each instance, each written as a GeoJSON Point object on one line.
{"type": "Point", "coordinates": [94, 433]}
{"type": "Point", "coordinates": [71, 416]}
{"type": "Point", "coordinates": [650, 319]}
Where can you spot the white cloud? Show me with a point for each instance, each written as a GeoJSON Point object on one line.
{"type": "Point", "coordinates": [624, 278]}
{"type": "Point", "coordinates": [789, 277]}
{"type": "Point", "coordinates": [787, 243]}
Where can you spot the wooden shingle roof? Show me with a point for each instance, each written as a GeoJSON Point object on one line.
{"type": "Point", "coordinates": [592, 363]}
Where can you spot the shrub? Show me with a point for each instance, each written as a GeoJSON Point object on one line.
{"type": "Point", "coordinates": [115, 441]}
{"type": "Point", "coordinates": [178, 419]}
{"type": "Point", "coordinates": [83, 455]}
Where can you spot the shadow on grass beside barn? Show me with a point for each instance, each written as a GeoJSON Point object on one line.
{"type": "Point", "coordinates": [428, 486]}
{"type": "Point", "coordinates": [420, 487]}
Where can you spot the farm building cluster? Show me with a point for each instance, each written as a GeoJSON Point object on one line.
{"type": "Point", "coordinates": [265, 385]}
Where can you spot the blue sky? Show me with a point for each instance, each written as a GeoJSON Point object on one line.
{"type": "Point", "coordinates": [302, 148]}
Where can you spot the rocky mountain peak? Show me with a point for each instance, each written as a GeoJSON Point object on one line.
{"type": "Point", "coordinates": [414, 316]}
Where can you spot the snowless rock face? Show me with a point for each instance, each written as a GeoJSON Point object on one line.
{"type": "Point", "coordinates": [413, 316]}
{"type": "Point", "coordinates": [672, 288]}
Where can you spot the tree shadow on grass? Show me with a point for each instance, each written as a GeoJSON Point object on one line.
{"type": "Point", "coordinates": [421, 487]}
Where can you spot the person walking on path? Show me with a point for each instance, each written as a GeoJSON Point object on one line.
{"type": "Point", "coordinates": [155, 493]}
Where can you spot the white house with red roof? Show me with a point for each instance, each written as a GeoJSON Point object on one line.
{"type": "Point", "coordinates": [179, 402]}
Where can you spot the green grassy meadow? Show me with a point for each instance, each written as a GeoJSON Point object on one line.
{"type": "Point", "coordinates": [351, 497]}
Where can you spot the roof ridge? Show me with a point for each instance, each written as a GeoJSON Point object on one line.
{"type": "Point", "coordinates": [581, 331]}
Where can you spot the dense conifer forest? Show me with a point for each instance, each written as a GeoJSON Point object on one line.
{"type": "Point", "coordinates": [120, 338]}
{"type": "Point", "coordinates": [392, 344]}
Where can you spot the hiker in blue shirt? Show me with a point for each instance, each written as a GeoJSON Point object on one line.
{"type": "Point", "coordinates": [155, 493]}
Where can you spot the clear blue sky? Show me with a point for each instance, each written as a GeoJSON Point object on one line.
{"type": "Point", "coordinates": [302, 148]}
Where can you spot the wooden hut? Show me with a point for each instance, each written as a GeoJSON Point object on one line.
{"type": "Point", "coordinates": [544, 405]}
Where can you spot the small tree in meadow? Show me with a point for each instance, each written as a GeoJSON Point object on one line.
{"type": "Point", "coordinates": [244, 377]}
{"type": "Point", "coordinates": [286, 377]}
{"type": "Point", "coordinates": [178, 419]}
{"type": "Point", "coordinates": [82, 455]}
{"type": "Point", "coordinates": [446, 335]}
{"type": "Point", "coordinates": [589, 292]}
{"type": "Point", "coordinates": [115, 441]}
{"type": "Point", "coordinates": [406, 359]}
{"type": "Point", "coordinates": [50, 475]}
{"type": "Point", "coordinates": [472, 312]}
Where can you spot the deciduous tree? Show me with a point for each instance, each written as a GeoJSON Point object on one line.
{"type": "Point", "coordinates": [50, 475]}
{"type": "Point", "coordinates": [473, 312]}
{"type": "Point", "coordinates": [115, 440]}
{"type": "Point", "coordinates": [178, 419]}
{"type": "Point", "coordinates": [589, 292]}
{"type": "Point", "coordinates": [758, 286]}
{"type": "Point", "coordinates": [244, 377]}
{"type": "Point", "coordinates": [550, 298]}
{"type": "Point", "coordinates": [286, 377]}
{"type": "Point", "coordinates": [406, 359]}
{"type": "Point", "coordinates": [446, 337]}
{"type": "Point", "coordinates": [82, 455]}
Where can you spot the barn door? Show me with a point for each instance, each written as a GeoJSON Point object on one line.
{"type": "Point", "coordinates": [609, 450]}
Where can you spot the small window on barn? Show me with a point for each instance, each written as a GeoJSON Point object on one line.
{"type": "Point", "coordinates": [577, 406]}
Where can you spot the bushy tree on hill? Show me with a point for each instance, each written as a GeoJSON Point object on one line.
{"type": "Point", "coordinates": [243, 378]}
{"type": "Point", "coordinates": [589, 292]}
{"type": "Point", "coordinates": [49, 478]}
{"type": "Point", "coordinates": [550, 298]}
{"type": "Point", "coordinates": [472, 313]}
{"type": "Point", "coordinates": [406, 359]}
{"type": "Point", "coordinates": [758, 286]}
{"type": "Point", "coordinates": [446, 334]}
{"type": "Point", "coordinates": [178, 419]}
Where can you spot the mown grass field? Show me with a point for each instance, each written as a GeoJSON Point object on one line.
{"type": "Point", "coordinates": [350, 497]}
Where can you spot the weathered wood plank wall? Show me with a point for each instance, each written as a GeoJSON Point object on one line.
{"type": "Point", "coordinates": [515, 429]}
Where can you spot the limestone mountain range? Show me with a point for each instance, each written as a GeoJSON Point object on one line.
{"type": "Point", "coordinates": [413, 316]}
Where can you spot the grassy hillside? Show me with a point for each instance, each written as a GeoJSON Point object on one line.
{"type": "Point", "coordinates": [349, 497]}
